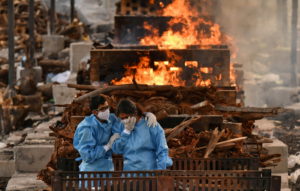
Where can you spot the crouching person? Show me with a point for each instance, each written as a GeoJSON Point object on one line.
{"type": "Point", "coordinates": [143, 148]}
{"type": "Point", "coordinates": [95, 135]}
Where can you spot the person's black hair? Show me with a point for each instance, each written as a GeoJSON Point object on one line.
{"type": "Point", "coordinates": [126, 106]}
{"type": "Point", "coordinates": [96, 101]}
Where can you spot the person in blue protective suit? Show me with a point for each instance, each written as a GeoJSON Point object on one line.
{"type": "Point", "coordinates": [95, 134]}
{"type": "Point", "coordinates": [143, 148]}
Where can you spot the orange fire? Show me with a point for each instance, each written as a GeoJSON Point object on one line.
{"type": "Point", "coordinates": [193, 30]}
{"type": "Point", "coordinates": [234, 50]}
{"type": "Point", "coordinates": [186, 28]}
{"type": "Point", "coordinates": [165, 74]}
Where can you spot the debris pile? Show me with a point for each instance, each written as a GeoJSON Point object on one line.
{"type": "Point", "coordinates": [28, 97]}
{"type": "Point", "coordinates": [213, 127]}
{"type": "Point", "coordinates": [63, 27]}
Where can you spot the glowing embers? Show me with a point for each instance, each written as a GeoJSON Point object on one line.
{"type": "Point", "coordinates": [206, 70]}
{"type": "Point", "coordinates": [168, 73]}
{"type": "Point", "coordinates": [191, 64]}
{"type": "Point", "coordinates": [163, 73]}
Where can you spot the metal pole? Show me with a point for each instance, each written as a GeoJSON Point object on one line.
{"type": "Point", "coordinates": [285, 20]}
{"type": "Point", "coordinates": [279, 15]}
{"type": "Point", "coordinates": [72, 13]}
{"type": "Point", "coordinates": [11, 43]}
{"type": "Point", "coordinates": [52, 17]}
{"type": "Point", "coordinates": [31, 44]}
{"type": "Point", "coordinates": [282, 20]}
{"type": "Point", "coordinates": [294, 80]}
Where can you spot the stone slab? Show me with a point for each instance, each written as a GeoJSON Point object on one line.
{"type": "Point", "coordinates": [15, 138]}
{"type": "Point", "coordinates": [53, 44]}
{"type": "Point", "coordinates": [25, 182]}
{"type": "Point", "coordinates": [39, 138]}
{"type": "Point", "coordinates": [6, 154]}
{"type": "Point", "coordinates": [7, 168]}
{"type": "Point", "coordinates": [79, 50]}
{"type": "Point", "coordinates": [32, 158]}
{"type": "Point", "coordinates": [62, 94]}
{"type": "Point", "coordinates": [42, 127]}
{"type": "Point", "coordinates": [278, 147]}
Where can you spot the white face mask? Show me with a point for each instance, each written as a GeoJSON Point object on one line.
{"type": "Point", "coordinates": [104, 115]}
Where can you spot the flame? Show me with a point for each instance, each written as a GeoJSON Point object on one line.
{"type": "Point", "coordinates": [233, 50]}
{"type": "Point", "coordinates": [191, 64]}
{"type": "Point", "coordinates": [185, 28]}
{"type": "Point", "coordinates": [200, 82]}
{"type": "Point", "coordinates": [164, 74]}
{"type": "Point", "coordinates": [206, 70]}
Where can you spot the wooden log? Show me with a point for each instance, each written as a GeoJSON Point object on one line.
{"type": "Point", "coordinates": [179, 128]}
{"type": "Point", "coordinates": [227, 97]}
{"type": "Point", "coordinates": [200, 105]}
{"type": "Point", "coordinates": [54, 63]}
{"type": "Point", "coordinates": [141, 87]}
{"type": "Point", "coordinates": [216, 135]}
{"type": "Point", "coordinates": [248, 113]}
{"type": "Point", "coordinates": [34, 102]}
{"type": "Point", "coordinates": [225, 142]}
{"type": "Point", "coordinates": [75, 120]}
{"type": "Point", "coordinates": [46, 90]}
{"type": "Point", "coordinates": [83, 87]}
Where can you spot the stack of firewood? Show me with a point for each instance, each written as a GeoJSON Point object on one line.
{"type": "Point", "coordinates": [15, 108]}
{"type": "Point", "coordinates": [192, 138]}
{"type": "Point", "coordinates": [21, 24]}
{"type": "Point", "coordinates": [73, 30]}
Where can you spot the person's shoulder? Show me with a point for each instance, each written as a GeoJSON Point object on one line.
{"type": "Point", "coordinates": [157, 127]}
{"type": "Point", "coordinates": [88, 121]}
{"type": "Point", "coordinates": [113, 117]}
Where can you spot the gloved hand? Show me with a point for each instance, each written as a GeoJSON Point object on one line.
{"type": "Point", "coordinates": [129, 123]}
{"type": "Point", "coordinates": [112, 140]}
{"type": "Point", "coordinates": [151, 119]}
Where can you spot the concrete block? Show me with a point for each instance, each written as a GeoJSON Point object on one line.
{"type": "Point", "coordinates": [32, 158]}
{"type": "Point", "coordinates": [7, 168]}
{"type": "Point", "coordinates": [44, 127]}
{"type": "Point", "coordinates": [16, 138]}
{"type": "Point", "coordinates": [278, 147]}
{"type": "Point", "coordinates": [62, 94]}
{"type": "Point", "coordinates": [39, 138]}
{"type": "Point", "coordinates": [7, 163]}
{"type": "Point", "coordinates": [53, 44]}
{"type": "Point", "coordinates": [78, 51]}
{"type": "Point", "coordinates": [25, 182]}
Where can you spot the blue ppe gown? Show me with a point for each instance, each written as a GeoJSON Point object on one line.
{"type": "Point", "coordinates": [145, 148]}
{"type": "Point", "coordinates": [90, 137]}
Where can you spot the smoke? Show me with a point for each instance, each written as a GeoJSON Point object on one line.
{"type": "Point", "coordinates": [261, 35]}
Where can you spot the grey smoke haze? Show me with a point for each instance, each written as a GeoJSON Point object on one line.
{"type": "Point", "coordinates": [263, 49]}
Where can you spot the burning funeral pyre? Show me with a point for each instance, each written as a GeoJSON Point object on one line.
{"type": "Point", "coordinates": [172, 63]}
